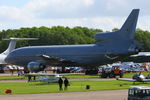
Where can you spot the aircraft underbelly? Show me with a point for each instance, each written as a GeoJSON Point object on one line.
{"type": "Point", "coordinates": [81, 60]}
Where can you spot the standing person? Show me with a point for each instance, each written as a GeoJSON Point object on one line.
{"type": "Point", "coordinates": [60, 82]}
{"type": "Point", "coordinates": [12, 71]}
{"type": "Point", "coordinates": [29, 78]}
{"type": "Point", "coordinates": [18, 71]}
{"type": "Point", "coordinates": [66, 83]}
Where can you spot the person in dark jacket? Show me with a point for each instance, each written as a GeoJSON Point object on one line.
{"type": "Point", "coordinates": [66, 84]}
{"type": "Point", "coordinates": [60, 82]}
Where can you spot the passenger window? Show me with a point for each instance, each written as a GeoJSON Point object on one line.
{"type": "Point", "coordinates": [144, 92]}
{"type": "Point", "coordinates": [147, 91]}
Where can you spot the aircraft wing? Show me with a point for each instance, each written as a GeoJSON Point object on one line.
{"type": "Point", "coordinates": [146, 80]}
{"type": "Point", "coordinates": [44, 77]}
{"type": "Point", "coordinates": [141, 54]}
{"type": "Point", "coordinates": [127, 79]}
{"type": "Point", "coordinates": [57, 60]}
{"type": "Point", "coordinates": [39, 74]}
{"type": "Point", "coordinates": [140, 57]}
{"type": "Point", "coordinates": [45, 74]}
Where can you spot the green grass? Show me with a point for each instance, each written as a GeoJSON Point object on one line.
{"type": "Point", "coordinates": [75, 86]}
{"type": "Point", "coordinates": [11, 77]}
{"type": "Point", "coordinates": [126, 75]}
{"type": "Point", "coordinates": [129, 75]}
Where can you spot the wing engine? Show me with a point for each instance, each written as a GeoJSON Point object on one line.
{"type": "Point", "coordinates": [35, 66]}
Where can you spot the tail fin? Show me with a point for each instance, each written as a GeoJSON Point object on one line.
{"type": "Point", "coordinates": [12, 44]}
{"type": "Point", "coordinates": [123, 39]}
{"type": "Point", "coordinates": [129, 27]}
{"type": "Point", "coordinates": [126, 32]}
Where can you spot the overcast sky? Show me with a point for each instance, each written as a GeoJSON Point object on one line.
{"type": "Point", "coordinates": [102, 14]}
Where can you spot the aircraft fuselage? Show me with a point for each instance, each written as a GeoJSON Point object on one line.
{"type": "Point", "coordinates": [82, 54]}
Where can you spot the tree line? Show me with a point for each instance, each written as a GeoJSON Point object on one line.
{"type": "Point", "coordinates": [59, 35]}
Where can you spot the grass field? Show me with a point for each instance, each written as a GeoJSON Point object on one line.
{"type": "Point", "coordinates": [126, 75]}
{"type": "Point", "coordinates": [11, 77]}
{"type": "Point", "coordinates": [75, 86]}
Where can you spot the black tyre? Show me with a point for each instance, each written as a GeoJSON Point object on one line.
{"type": "Point", "coordinates": [111, 75]}
{"type": "Point", "coordinates": [104, 75]}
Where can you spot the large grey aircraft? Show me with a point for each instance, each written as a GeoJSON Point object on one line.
{"type": "Point", "coordinates": [109, 47]}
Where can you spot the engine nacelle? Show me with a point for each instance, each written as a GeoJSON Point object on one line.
{"type": "Point", "coordinates": [35, 66]}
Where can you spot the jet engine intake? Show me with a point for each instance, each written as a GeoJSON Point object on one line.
{"type": "Point", "coordinates": [35, 66]}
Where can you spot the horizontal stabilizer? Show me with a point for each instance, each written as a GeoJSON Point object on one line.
{"type": "Point", "coordinates": [12, 44]}
{"type": "Point", "coordinates": [141, 54]}
{"type": "Point", "coordinates": [46, 74]}
{"type": "Point", "coordinates": [21, 39]}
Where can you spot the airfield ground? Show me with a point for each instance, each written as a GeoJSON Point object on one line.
{"type": "Point", "coordinates": [96, 95]}
{"type": "Point", "coordinates": [91, 95]}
